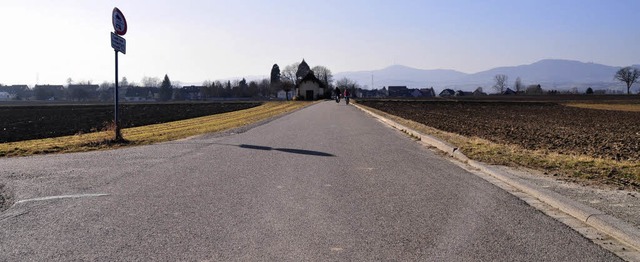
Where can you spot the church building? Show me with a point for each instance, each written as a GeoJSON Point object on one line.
{"type": "Point", "coordinates": [308, 86]}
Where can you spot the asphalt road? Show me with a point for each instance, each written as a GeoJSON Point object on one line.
{"type": "Point", "coordinates": [326, 183]}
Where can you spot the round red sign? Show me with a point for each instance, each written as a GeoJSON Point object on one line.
{"type": "Point", "coordinates": [119, 23]}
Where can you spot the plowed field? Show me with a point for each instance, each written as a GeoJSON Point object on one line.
{"type": "Point", "coordinates": [18, 123]}
{"type": "Point", "coordinates": [532, 125]}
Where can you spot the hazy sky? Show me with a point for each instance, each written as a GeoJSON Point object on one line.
{"type": "Point", "coordinates": [193, 41]}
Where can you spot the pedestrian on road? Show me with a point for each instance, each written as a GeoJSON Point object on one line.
{"type": "Point", "coordinates": [346, 95]}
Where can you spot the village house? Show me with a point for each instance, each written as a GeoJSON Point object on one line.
{"type": "Point", "coordinates": [399, 91]}
{"type": "Point", "coordinates": [5, 96]}
{"type": "Point", "coordinates": [447, 92]}
{"type": "Point", "coordinates": [428, 92]}
{"type": "Point", "coordinates": [415, 93]}
{"type": "Point", "coordinates": [284, 95]}
{"type": "Point", "coordinates": [192, 92]}
{"type": "Point", "coordinates": [82, 92]}
{"type": "Point", "coordinates": [509, 91]}
{"type": "Point", "coordinates": [479, 92]}
{"type": "Point", "coordinates": [49, 92]}
{"type": "Point", "coordinates": [364, 93]}
{"type": "Point", "coordinates": [139, 94]}
{"type": "Point", "coordinates": [17, 92]}
{"type": "Point", "coordinates": [463, 93]}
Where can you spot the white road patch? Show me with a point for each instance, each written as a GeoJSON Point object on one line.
{"type": "Point", "coordinates": [59, 197]}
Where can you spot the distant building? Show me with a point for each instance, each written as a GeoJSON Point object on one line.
{"type": "Point", "coordinates": [447, 92]}
{"type": "Point", "coordinates": [310, 87]}
{"type": "Point", "coordinates": [17, 92]}
{"type": "Point", "coordinates": [415, 93]}
{"type": "Point", "coordinates": [399, 91]}
{"type": "Point", "coordinates": [82, 92]}
{"type": "Point", "coordinates": [428, 92]}
{"type": "Point", "coordinates": [5, 96]}
{"type": "Point", "coordinates": [375, 93]}
{"type": "Point", "coordinates": [284, 95]}
{"type": "Point", "coordinates": [49, 92]}
{"type": "Point", "coordinates": [509, 91]}
{"type": "Point", "coordinates": [139, 94]}
{"type": "Point", "coordinates": [479, 92]}
{"type": "Point", "coordinates": [534, 90]}
{"type": "Point", "coordinates": [193, 92]}
{"type": "Point", "coordinates": [463, 93]}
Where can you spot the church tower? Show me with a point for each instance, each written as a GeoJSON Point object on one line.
{"type": "Point", "coordinates": [303, 70]}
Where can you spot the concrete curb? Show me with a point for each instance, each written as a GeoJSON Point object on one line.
{"type": "Point", "coordinates": [608, 224]}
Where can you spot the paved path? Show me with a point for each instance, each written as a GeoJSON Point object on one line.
{"type": "Point", "coordinates": [322, 184]}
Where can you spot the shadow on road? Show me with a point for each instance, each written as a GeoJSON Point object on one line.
{"type": "Point", "coordinates": [287, 150]}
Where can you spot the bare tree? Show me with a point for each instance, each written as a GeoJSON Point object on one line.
{"type": "Point", "coordinates": [518, 85]}
{"type": "Point", "coordinates": [264, 87]}
{"type": "Point", "coordinates": [501, 83]}
{"type": "Point", "coordinates": [151, 81]}
{"type": "Point", "coordinates": [124, 82]}
{"type": "Point", "coordinates": [346, 83]}
{"type": "Point", "coordinates": [324, 74]}
{"type": "Point", "coordinates": [289, 72]}
{"type": "Point", "coordinates": [628, 75]}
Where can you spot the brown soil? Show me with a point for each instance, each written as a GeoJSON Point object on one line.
{"type": "Point", "coordinates": [532, 125]}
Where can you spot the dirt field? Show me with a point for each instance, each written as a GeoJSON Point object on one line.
{"type": "Point", "coordinates": [532, 125]}
{"type": "Point", "coordinates": [24, 122]}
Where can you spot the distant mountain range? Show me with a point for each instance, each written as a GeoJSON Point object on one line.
{"type": "Point", "coordinates": [549, 73]}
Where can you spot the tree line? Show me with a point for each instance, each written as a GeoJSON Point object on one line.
{"type": "Point", "coordinates": [627, 75]}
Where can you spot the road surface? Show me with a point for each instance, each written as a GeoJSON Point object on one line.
{"type": "Point", "coordinates": [326, 183]}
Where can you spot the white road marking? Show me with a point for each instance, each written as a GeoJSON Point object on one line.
{"type": "Point", "coordinates": [59, 197]}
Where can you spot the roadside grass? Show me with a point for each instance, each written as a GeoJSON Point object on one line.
{"type": "Point", "coordinates": [613, 107]}
{"type": "Point", "coordinates": [151, 133]}
{"type": "Point", "coordinates": [577, 168]}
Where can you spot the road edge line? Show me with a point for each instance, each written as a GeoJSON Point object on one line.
{"type": "Point", "coordinates": [58, 197]}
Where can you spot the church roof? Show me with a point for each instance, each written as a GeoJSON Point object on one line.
{"type": "Point", "coordinates": [311, 77]}
{"type": "Point", "coordinates": [304, 65]}
{"type": "Point", "coordinates": [303, 70]}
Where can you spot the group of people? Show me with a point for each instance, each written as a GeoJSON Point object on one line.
{"type": "Point", "coordinates": [346, 95]}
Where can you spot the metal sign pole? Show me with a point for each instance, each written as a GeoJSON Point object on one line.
{"type": "Point", "coordinates": [116, 122]}
{"type": "Point", "coordinates": [119, 44]}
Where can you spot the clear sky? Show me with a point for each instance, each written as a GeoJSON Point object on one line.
{"type": "Point", "coordinates": [193, 41]}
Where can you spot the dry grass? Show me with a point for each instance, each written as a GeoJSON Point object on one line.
{"type": "Point", "coordinates": [580, 168]}
{"type": "Point", "coordinates": [151, 133]}
{"type": "Point", "coordinates": [612, 107]}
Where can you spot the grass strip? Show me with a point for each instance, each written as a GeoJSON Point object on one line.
{"type": "Point", "coordinates": [612, 107]}
{"type": "Point", "coordinates": [577, 168]}
{"type": "Point", "coordinates": [151, 133]}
